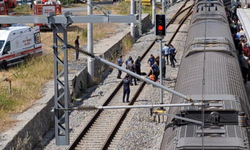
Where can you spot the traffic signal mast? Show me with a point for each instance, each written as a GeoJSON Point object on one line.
{"type": "Point", "coordinates": [160, 32]}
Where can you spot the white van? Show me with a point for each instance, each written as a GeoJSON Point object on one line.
{"type": "Point", "coordinates": [19, 43]}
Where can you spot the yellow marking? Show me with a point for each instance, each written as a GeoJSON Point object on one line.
{"type": "Point", "coordinates": [159, 111]}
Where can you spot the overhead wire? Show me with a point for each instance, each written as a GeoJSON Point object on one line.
{"type": "Point", "coordinates": [204, 74]}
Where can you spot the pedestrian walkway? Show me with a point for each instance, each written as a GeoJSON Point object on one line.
{"type": "Point", "coordinates": [244, 17]}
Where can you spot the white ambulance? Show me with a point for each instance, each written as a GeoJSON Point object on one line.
{"type": "Point", "coordinates": [18, 44]}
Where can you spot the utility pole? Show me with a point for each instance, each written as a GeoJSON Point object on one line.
{"type": "Point", "coordinates": [132, 12]}
{"type": "Point", "coordinates": [163, 6]}
{"type": "Point", "coordinates": [140, 17]}
{"type": "Point", "coordinates": [90, 42]}
{"type": "Point", "coordinates": [153, 12]}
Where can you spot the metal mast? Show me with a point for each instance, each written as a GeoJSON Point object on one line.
{"type": "Point", "coordinates": [61, 97]}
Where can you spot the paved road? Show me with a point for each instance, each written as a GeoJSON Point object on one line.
{"type": "Point", "coordinates": [75, 10]}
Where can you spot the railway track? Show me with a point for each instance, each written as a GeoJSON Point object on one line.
{"type": "Point", "coordinates": [102, 131]}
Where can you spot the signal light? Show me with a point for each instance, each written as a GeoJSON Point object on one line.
{"type": "Point", "coordinates": [160, 25]}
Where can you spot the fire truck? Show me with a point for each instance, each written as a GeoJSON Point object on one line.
{"type": "Point", "coordinates": [44, 7]}
{"type": "Point", "coordinates": [6, 6]}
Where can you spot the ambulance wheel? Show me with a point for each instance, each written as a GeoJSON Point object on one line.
{"type": "Point", "coordinates": [28, 58]}
{"type": "Point", "coordinates": [4, 65]}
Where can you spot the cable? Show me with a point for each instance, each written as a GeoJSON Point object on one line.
{"type": "Point", "coordinates": [204, 74]}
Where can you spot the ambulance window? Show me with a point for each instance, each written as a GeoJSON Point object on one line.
{"type": "Point", "coordinates": [1, 44]}
{"type": "Point", "coordinates": [37, 38]}
{"type": "Point", "coordinates": [6, 48]}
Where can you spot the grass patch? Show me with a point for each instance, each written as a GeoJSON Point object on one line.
{"type": "Point", "coordinates": [27, 82]}
{"type": "Point", "coordinates": [147, 10]}
{"type": "Point", "coordinates": [126, 44]}
{"type": "Point", "coordinates": [28, 79]}
{"type": "Point", "coordinates": [23, 10]}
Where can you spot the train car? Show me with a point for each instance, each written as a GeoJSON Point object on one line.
{"type": "Point", "coordinates": [19, 43]}
{"type": "Point", "coordinates": [209, 73]}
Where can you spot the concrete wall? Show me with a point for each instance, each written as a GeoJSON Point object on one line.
{"type": "Point", "coordinates": [33, 124]}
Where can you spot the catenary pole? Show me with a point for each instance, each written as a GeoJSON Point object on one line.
{"type": "Point", "coordinates": [90, 42]}
{"type": "Point", "coordinates": [153, 12]}
{"type": "Point", "coordinates": [132, 12]}
{"type": "Point", "coordinates": [163, 6]}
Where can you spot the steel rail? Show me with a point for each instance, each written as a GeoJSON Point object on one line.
{"type": "Point", "coordinates": [181, 23]}
{"type": "Point", "coordinates": [88, 126]}
{"type": "Point", "coordinates": [123, 116]}
{"type": "Point", "coordinates": [177, 14]}
{"type": "Point", "coordinates": [189, 11]}
{"type": "Point", "coordinates": [116, 128]}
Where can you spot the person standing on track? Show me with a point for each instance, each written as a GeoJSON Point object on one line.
{"type": "Point", "coordinates": [166, 52]}
{"type": "Point", "coordinates": [138, 66]}
{"type": "Point", "coordinates": [163, 67]}
{"type": "Point", "coordinates": [131, 67]}
{"type": "Point", "coordinates": [172, 55]}
{"type": "Point", "coordinates": [155, 71]}
{"type": "Point", "coordinates": [151, 60]}
{"type": "Point", "coordinates": [77, 47]}
{"type": "Point", "coordinates": [126, 89]}
{"type": "Point", "coordinates": [119, 63]}
{"type": "Point", "coordinates": [127, 61]}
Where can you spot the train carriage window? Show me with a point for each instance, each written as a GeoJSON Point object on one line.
{"type": "Point", "coordinates": [6, 49]}
{"type": "Point", "coordinates": [37, 38]}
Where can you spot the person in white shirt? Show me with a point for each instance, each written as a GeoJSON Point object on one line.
{"type": "Point", "coordinates": [166, 52]}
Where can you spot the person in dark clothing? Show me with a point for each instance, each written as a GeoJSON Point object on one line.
{"type": "Point", "coordinates": [155, 71]}
{"type": "Point", "coordinates": [233, 11]}
{"type": "Point", "coordinates": [77, 47]}
{"type": "Point", "coordinates": [127, 61]}
{"type": "Point", "coordinates": [163, 66]}
{"type": "Point", "coordinates": [131, 67]}
{"type": "Point", "coordinates": [240, 48]}
{"type": "Point", "coordinates": [126, 89]}
{"type": "Point", "coordinates": [172, 56]}
{"type": "Point", "coordinates": [151, 60]}
{"type": "Point", "coordinates": [138, 66]}
{"type": "Point", "coordinates": [244, 62]}
{"type": "Point", "coordinates": [157, 59]}
{"type": "Point", "coordinates": [119, 63]}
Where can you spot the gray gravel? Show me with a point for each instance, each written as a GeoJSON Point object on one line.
{"type": "Point", "coordinates": [142, 132]}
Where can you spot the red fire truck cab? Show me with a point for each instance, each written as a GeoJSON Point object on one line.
{"type": "Point", "coordinates": [6, 6]}
{"type": "Point", "coordinates": [44, 7]}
